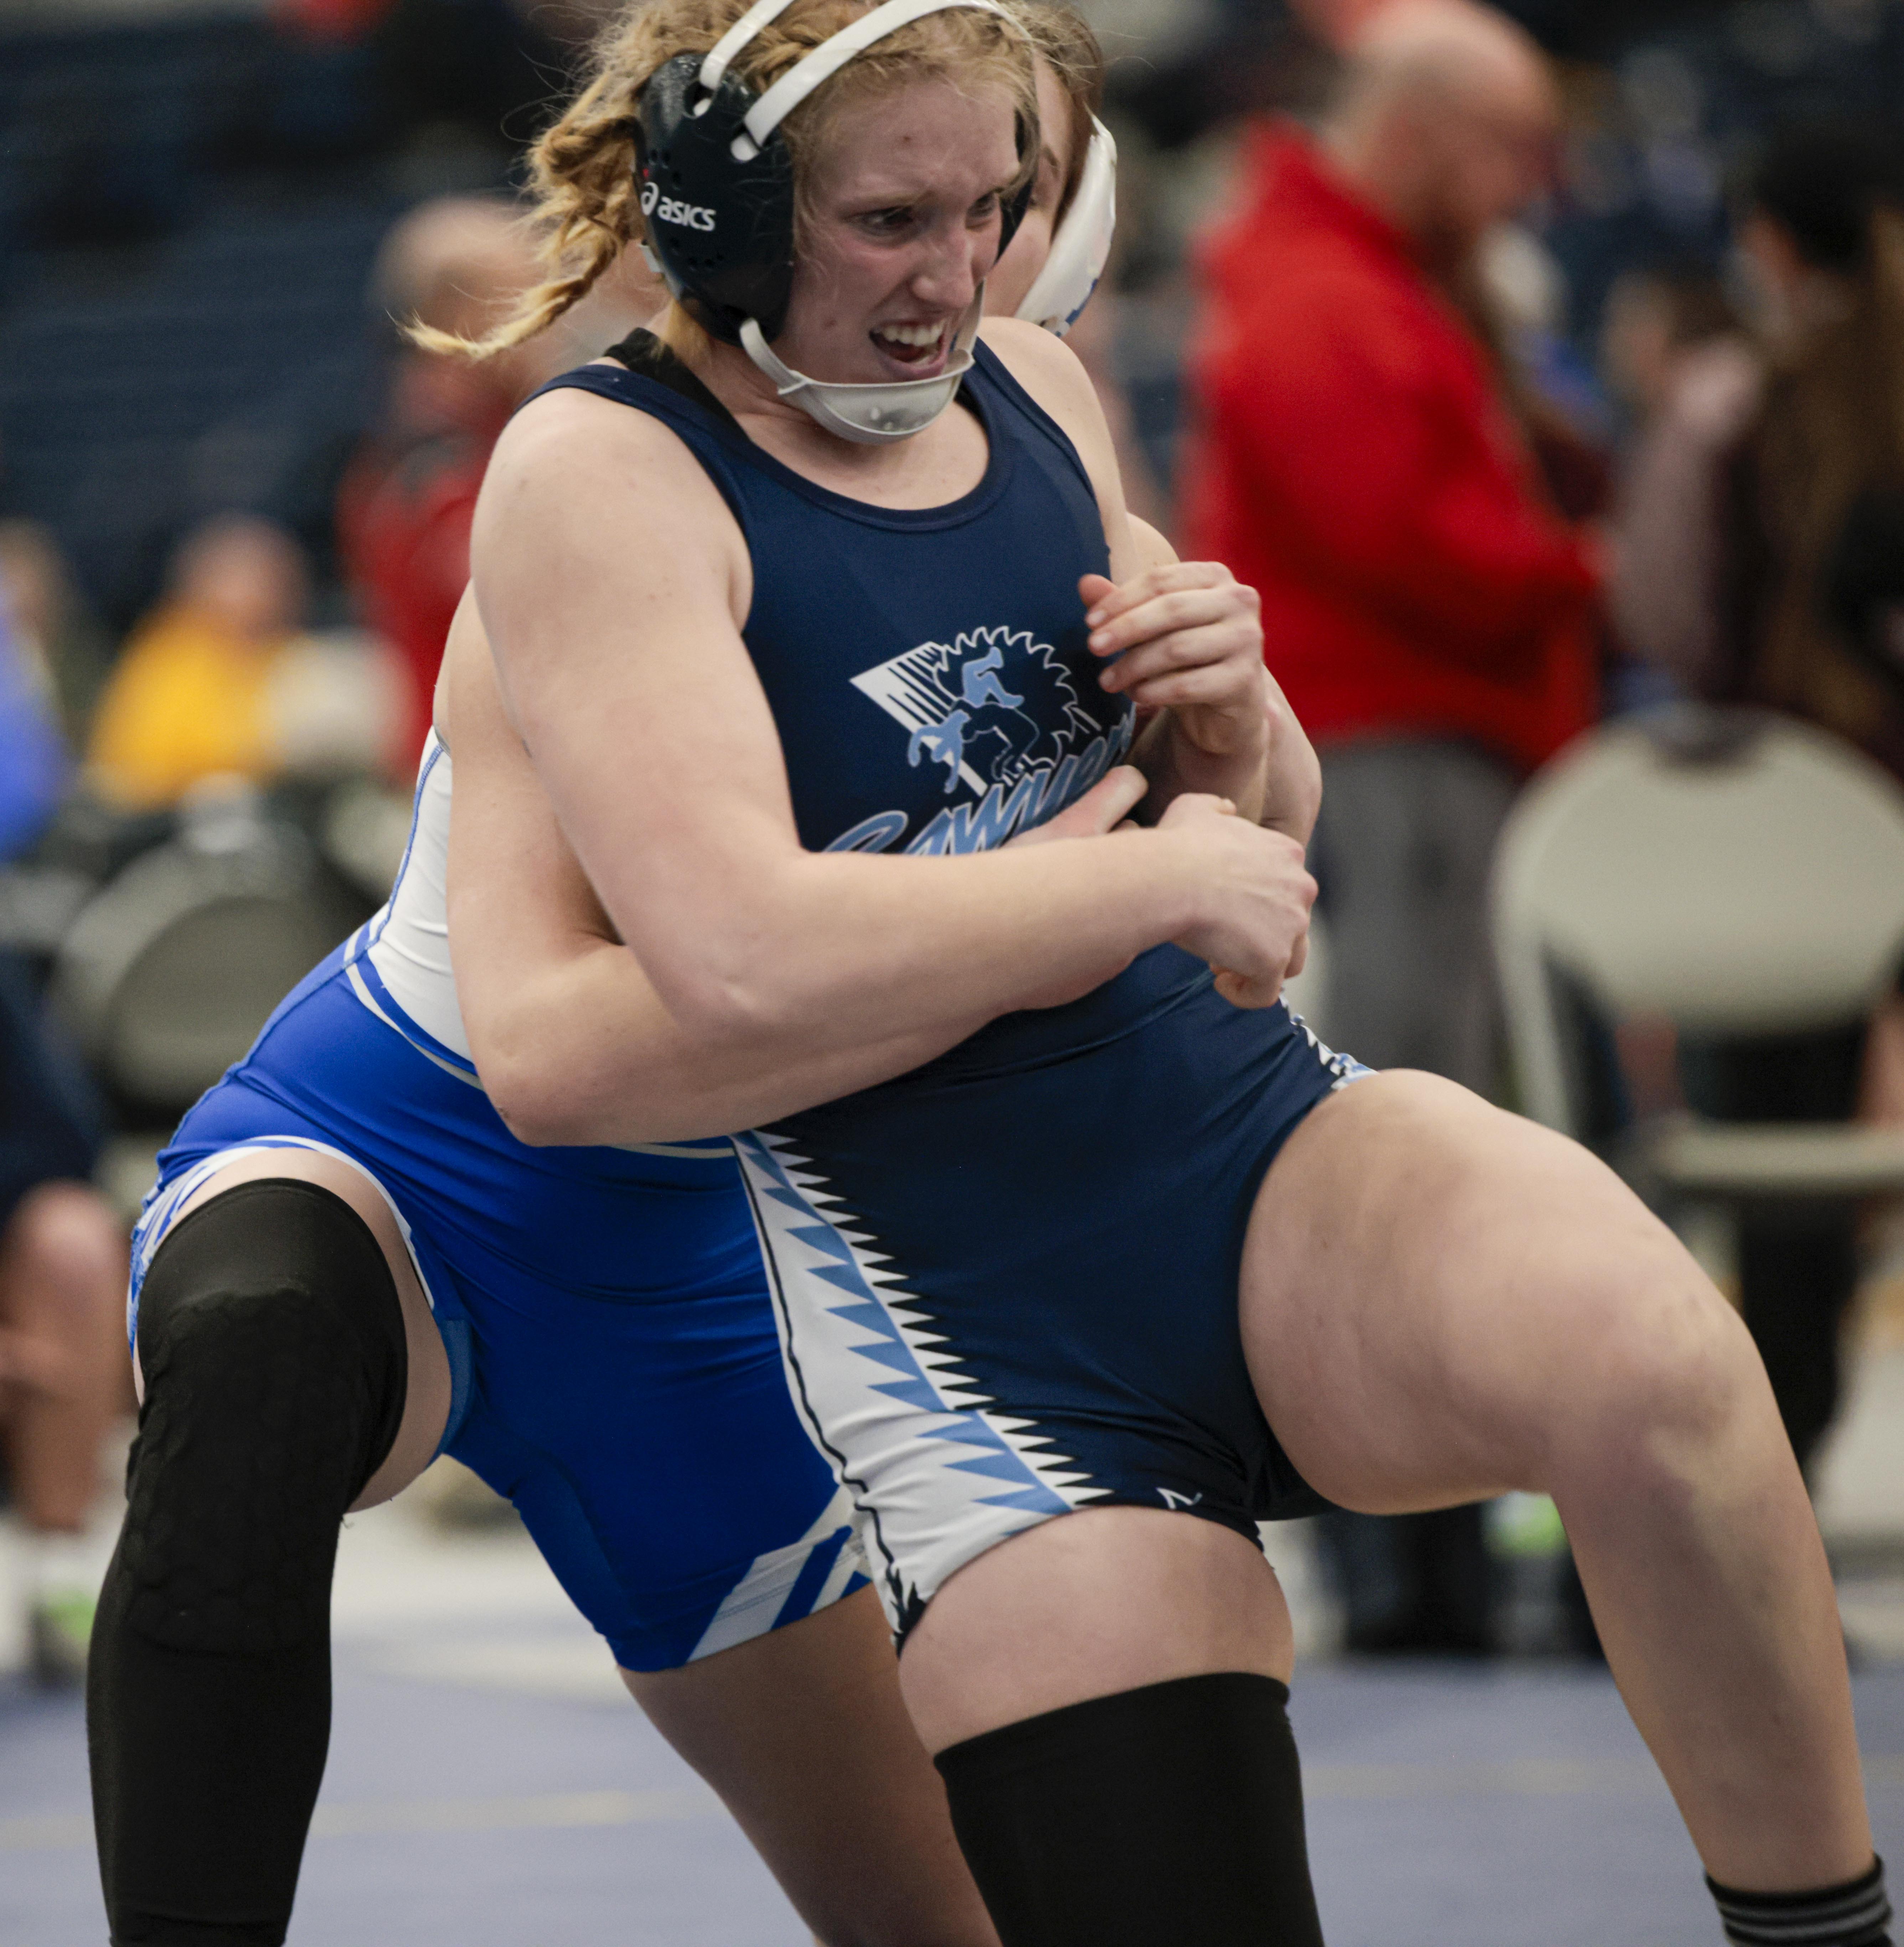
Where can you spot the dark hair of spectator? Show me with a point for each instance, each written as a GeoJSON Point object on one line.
{"type": "Point", "coordinates": [1830, 443]}
{"type": "Point", "coordinates": [1697, 307]}
{"type": "Point", "coordinates": [1822, 182]}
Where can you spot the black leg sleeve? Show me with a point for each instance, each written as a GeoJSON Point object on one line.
{"type": "Point", "coordinates": [1797, 1274]}
{"type": "Point", "coordinates": [271, 1340]}
{"type": "Point", "coordinates": [1155, 1818]}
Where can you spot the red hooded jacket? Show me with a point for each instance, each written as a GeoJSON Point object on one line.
{"type": "Point", "coordinates": [404, 511]}
{"type": "Point", "coordinates": [1352, 460]}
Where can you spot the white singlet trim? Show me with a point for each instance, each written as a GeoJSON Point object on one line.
{"type": "Point", "coordinates": [409, 940]}
{"type": "Point", "coordinates": [158, 1217]}
{"type": "Point", "coordinates": [409, 948]}
{"type": "Point", "coordinates": [771, 1576]}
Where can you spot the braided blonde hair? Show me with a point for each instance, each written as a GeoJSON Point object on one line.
{"type": "Point", "coordinates": [585, 200]}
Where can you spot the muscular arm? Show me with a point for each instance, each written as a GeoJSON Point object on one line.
{"type": "Point", "coordinates": [571, 1041]}
{"type": "Point", "coordinates": [629, 684]}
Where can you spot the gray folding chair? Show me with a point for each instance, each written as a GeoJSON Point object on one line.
{"type": "Point", "coordinates": [1733, 872]}
{"type": "Point", "coordinates": [171, 970]}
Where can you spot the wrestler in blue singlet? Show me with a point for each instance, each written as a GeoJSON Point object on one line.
{"type": "Point", "coordinates": [1007, 1282]}
{"type": "Point", "coordinates": [615, 1366]}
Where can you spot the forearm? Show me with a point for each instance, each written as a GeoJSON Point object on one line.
{"type": "Point", "coordinates": [821, 954]}
{"type": "Point", "coordinates": [584, 1053]}
{"type": "Point", "coordinates": [1175, 764]}
{"type": "Point", "coordinates": [1293, 781]}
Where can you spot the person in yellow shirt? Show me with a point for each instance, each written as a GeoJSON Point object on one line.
{"type": "Point", "coordinates": [191, 695]}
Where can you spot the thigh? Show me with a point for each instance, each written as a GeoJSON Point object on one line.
{"type": "Point", "coordinates": [1088, 1605]}
{"type": "Point", "coordinates": [427, 1407]}
{"type": "Point", "coordinates": [803, 1735]}
{"type": "Point", "coordinates": [1436, 1294]}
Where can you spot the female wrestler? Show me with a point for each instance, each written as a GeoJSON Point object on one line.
{"type": "Point", "coordinates": [766, 648]}
{"type": "Point", "coordinates": [349, 1262]}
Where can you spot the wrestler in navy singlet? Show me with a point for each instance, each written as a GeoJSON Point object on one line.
{"type": "Point", "coordinates": [1007, 1282]}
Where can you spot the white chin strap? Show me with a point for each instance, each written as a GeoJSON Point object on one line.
{"type": "Point", "coordinates": [871, 415]}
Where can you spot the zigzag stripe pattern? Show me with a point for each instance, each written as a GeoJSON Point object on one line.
{"type": "Point", "coordinates": [1344, 1068]}
{"type": "Point", "coordinates": [890, 1394]}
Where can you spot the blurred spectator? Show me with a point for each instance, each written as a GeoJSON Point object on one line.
{"type": "Point", "coordinates": [1671, 526]}
{"type": "Point", "coordinates": [1761, 559]}
{"type": "Point", "coordinates": [404, 511]}
{"type": "Point", "coordinates": [1428, 613]}
{"type": "Point", "coordinates": [63, 1363]}
{"type": "Point", "coordinates": [190, 697]}
{"type": "Point", "coordinates": [34, 774]}
{"type": "Point", "coordinates": [1680, 368]}
{"type": "Point", "coordinates": [1513, 295]}
{"type": "Point", "coordinates": [64, 1379]}
{"type": "Point", "coordinates": [1818, 477]}
{"type": "Point", "coordinates": [1653, 318]}
{"type": "Point", "coordinates": [51, 622]}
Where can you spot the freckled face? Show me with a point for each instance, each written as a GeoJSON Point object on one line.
{"type": "Point", "coordinates": [906, 204]}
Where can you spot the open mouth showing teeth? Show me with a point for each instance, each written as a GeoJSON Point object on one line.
{"type": "Point", "coordinates": [911, 344]}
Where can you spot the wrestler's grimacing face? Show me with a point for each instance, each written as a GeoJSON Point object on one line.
{"type": "Point", "coordinates": [902, 226]}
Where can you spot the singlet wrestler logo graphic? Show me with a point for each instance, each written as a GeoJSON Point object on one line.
{"type": "Point", "coordinates": [991, 706]}
{"type": "Point", "coordinates": [1002, 713]}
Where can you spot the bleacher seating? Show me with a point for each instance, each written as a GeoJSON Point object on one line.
{"type": "Point", "coordinates": [188, 215]}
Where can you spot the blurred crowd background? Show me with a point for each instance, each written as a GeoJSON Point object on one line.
{"type": "Point", "coordinates": [1572, 396]}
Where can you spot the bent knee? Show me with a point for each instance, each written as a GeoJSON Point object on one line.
{"type": "Point", "coordinates": [1666, 1369]}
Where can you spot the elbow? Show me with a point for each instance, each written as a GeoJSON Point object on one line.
{"type": "Point", "coordinates": [668, 1109]}
{"type": "Point", "coordinates": [1306, 796]}
{"type": "Point", "coordinates": [534, 1090]}
{"type": "Point", "coordinates": [1294, 800]}
{"type": "Point", "coordinates": [533, 1105]}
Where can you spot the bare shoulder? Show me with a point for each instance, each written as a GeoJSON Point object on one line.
{"type": "Point", "coordinates": [569, 431]}
{"type": "Point", "coordinates": [588, 502]}
{"type": "Point", "coordinates": [574, 449]}
{"type": "Point", "coordinates": [1049, 370]}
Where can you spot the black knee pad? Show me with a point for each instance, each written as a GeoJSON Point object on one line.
{"type": "Point", "coordinates": [271, 1340]}
{"type": "Point", "coordinates": [1152, 1818]}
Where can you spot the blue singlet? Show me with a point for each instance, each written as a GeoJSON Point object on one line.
{"type": "Point", "coordinates": [616, 1368]}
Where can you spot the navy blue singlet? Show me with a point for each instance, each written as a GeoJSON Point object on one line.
{"type": "Point", "coordinates": [979, 713]}
{"type": "Point", "coordinates": [1007, 1282]}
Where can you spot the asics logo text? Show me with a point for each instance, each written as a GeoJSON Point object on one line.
{"type": "Point", "coordinates": [671, 209]}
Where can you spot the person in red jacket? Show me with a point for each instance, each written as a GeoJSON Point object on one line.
{"type": "Point", "coordinates": [1427, 613]}
{"type": "Point", "coordinates": [406, 503]}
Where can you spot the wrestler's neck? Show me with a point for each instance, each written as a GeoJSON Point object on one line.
{"type": "Point", "coordinates": [938, 463]}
